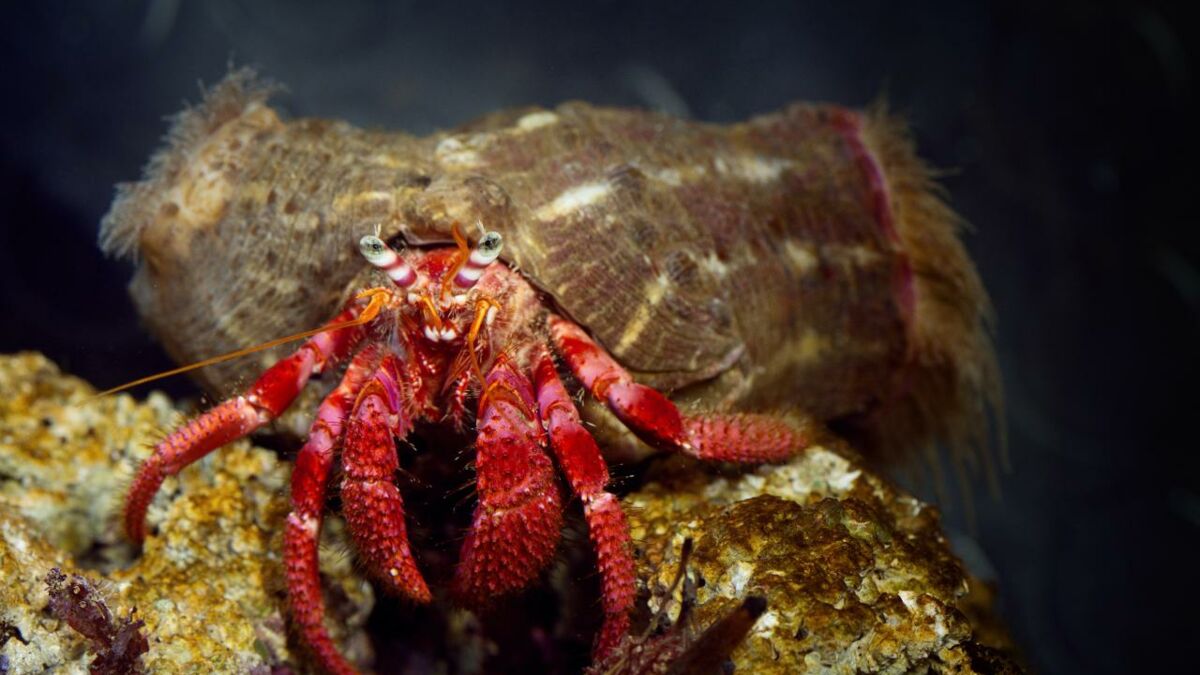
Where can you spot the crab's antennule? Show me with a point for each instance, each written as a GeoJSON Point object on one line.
{"type": "Point", "coordinates": [379, 254]}
{"type": "Point", "coordinates": [484, 254]}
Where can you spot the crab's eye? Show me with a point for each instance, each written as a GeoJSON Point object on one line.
{"type": "Point", "coordinates": [372, 247]}
{"type": "Point", "coordinates": [490, 244]}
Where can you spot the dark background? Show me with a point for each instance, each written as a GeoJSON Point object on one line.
{"type": "Point", "coordinates": [1068, 131]}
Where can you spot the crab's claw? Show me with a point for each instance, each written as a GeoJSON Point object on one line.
{"type": "Point", "coordinates": [371, 502]}
{"type": "Point", "coordinates": [518, 521]}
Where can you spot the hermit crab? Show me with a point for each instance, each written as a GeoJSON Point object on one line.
{"type": "Point", "coordinates": [772, 277]}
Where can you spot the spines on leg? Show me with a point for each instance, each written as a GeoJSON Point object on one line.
{"type": "Point", "coordinates": [220, 425]}
{"type": "Point", "coordinates": [581, 461]}
{"type": "Point", "coordinates": [518, 521]}
{"type": "Point", "coordinates": [269, 396]}
{"type": "Point", "coordinates": [371, 502]}
{"type": "Point", "coordinates": [302, 530]}
{"type": "Point", "coordinates": [746, 437]}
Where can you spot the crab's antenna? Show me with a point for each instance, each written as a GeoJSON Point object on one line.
{"type": "Point", "coordinates": [377, 295]}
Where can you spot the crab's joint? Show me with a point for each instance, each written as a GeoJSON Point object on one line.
{"type": "Point", "coordinates": [484, 254]}
{"type": "Point", "coordinates": [379, 254]}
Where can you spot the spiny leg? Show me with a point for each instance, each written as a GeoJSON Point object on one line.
{"type": "Point", "coordinates": [269, 396]}
{"type": "Point", "coordinates": [739, 437]}
{"type": "Point", "coordinates": [371, 502]}
{"type": "Point", "coordinates": [301, 533]}
{"type": "Point", "coordinates": [581, 461]}
{"type": "Point", "coordinates": [518, 521]}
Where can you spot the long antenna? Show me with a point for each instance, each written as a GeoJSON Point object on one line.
{"type": "Point", "coordinates": [377, 296]}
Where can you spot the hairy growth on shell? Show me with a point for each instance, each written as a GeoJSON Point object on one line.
{"type": "Point", "coordinates": [239, 95]}
{"type": "Point", "coordinates": [951, 388]}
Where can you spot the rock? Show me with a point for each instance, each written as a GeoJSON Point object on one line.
{"type": "Point", "coordinates": [857, 575]}
{"type": "Point", "coordinates": [209, 585]}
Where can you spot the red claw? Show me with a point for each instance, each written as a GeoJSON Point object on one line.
{"type": "Point", "coordinates": [518, 521]}
{"type": "Point", "coordinates": [371, 502]}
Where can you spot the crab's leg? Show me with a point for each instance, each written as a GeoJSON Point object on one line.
{"type": "Point", "coordinates": [518, 521]}
{"type": "Point", "coordinates": [269, 396]}
{"type": "Point", "coordinates": [656, 420]}
{"type": "Point", "coordinates": [580, 459]}
{"type": "Point", "coordinates": [371, 501]}
{"type": "Point", "coordinates": [301, 533]}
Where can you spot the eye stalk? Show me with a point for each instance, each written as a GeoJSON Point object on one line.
{"type": "Point", "coordinates": [484, 254]}
{"type": "Point", "coordinates": [379, 254]}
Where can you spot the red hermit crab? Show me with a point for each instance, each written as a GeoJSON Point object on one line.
{"type": "Point", "coordinates": [792, 270]}
{"type": "Point", "coordinates": [456, 319]}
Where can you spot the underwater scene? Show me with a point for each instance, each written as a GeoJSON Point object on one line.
{"type": "Point", "coordinates": [596, 338]}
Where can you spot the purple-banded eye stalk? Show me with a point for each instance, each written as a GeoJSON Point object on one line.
{"type": "Point", "coordinates": [484, 254]}
{"type": "Point", "coordinates": [379, 254]}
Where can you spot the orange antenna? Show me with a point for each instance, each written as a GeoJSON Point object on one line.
{"type": "Point", "coordinates": [375, 304]}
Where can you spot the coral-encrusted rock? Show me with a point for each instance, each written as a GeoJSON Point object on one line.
{"type": "Point", "coordinates": [209, 585]}
{"type": "Point", "coordinates": [857, 575]}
